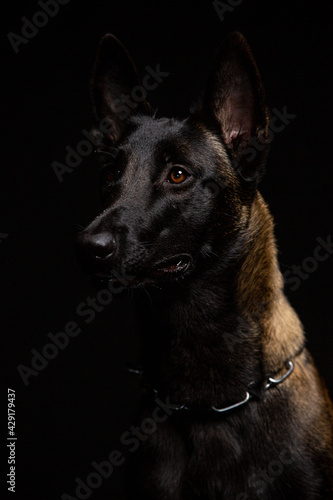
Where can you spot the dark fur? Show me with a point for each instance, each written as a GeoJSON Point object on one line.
{"type": "Point", "coordinates": [222, 324]}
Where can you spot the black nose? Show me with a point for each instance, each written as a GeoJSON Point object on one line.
{"type": "Point", "coordinates": [95, 246]}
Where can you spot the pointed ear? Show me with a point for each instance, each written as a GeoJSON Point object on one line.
{"type": "Point", "coordinates": [234, 102]}
{"type": "Point", "coordinates": [116, 90]}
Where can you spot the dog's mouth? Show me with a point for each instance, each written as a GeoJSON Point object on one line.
{"type": "Point", "coordinates": [171, 267]}
{"type": "Point", "coordinates": [165, 270]}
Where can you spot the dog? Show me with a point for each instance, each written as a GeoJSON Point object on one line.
{"type": "Point", "coordinates": [246, 415]}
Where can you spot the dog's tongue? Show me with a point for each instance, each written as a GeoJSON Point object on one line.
{"type": "Point", "coordinates": [170, 267]}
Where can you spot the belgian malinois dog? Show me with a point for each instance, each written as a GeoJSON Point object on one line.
{"type": "Point", "coordinates": [245, 414]}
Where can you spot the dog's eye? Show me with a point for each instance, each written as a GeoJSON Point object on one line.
{"type": "Point", "coordinates": [108, 160]}
{"type": "Point", "coordinates": [112, 174]}
{"type": "Point", "coordinates": [177, 175]}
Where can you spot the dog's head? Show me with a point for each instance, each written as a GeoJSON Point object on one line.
{"type": "Point", "coordinates": [174, 192]}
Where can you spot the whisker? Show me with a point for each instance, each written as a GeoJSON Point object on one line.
{"type": "Point", "coordinates": [78, 227]}
{"type": "Point", "coordinates": [155, 286]}
{"type": "Point", "coordinates": [151, 302]}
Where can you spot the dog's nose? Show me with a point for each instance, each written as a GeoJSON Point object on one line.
{"type": "Point", "coordinates": [98, 246]}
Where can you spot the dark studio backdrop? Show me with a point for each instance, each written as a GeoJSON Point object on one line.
{"type": "Point", "coordinates": [72, 411]}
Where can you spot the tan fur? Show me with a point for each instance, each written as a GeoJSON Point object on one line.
{"type": "Point", "coordinates": [260, 287]}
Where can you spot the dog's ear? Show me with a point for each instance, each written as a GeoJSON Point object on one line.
{"type": "Point", "coordinates": [114, 78]}
{"type": "Point", "coordinates": [234, 102]}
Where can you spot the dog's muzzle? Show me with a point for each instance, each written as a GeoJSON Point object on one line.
{"type": "Point", "coordinates": [99, 255]}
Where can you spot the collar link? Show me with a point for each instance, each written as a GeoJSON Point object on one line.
{"type": "Point", "coordinates": [267, 384]}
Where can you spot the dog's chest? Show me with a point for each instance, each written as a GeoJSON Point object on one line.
{"type": "Point", "coordinates": [216, 460]}
{"type": "Point", "coordinates": [213, 456]}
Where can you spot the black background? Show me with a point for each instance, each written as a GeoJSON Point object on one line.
{"type": "Point", "coordinates": [75, 410]}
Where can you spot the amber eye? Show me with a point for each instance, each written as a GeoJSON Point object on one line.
{"type": "Point", "coordinates": [112, 174]}
{"type": "Point", "coordinates": [109, 176]}
{"type": "Point", "coordinates": [177, 175]}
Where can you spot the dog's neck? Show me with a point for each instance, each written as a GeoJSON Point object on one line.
{"type": "Point", "coordinates": [260, 288]}
{"type": "Point", "coordinates": [208, 339]}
